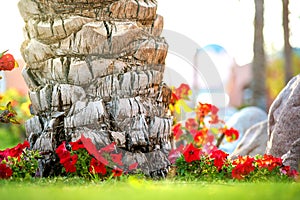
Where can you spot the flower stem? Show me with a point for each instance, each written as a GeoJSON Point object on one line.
{"type": "Point", "coordinates": [220, 139]}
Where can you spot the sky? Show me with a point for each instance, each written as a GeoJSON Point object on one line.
{"type": "Point", "coordinates": [225, 22]}
{"type": "Point", "coordinates": [228, 23]}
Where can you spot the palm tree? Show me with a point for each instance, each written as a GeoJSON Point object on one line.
{"type": "Point", "coordinates": [258, 86]}
{"type": "Point", "coordinates": [96, 69]}
{"type": "Point", "coordinates": [287, 46]}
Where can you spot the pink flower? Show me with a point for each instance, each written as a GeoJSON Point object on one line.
{"type": "Point", "coordinates": [191, 124]}
{"type": "Point", "coordinates": [117, 158]}
{"type": "Point", "coordinates": [133, 166]}
{"type": "Point", "coordinates": [177, 131]}
{"type": "Point", "coordinates": [175, 153]}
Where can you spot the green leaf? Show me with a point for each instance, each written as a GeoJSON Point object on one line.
{"type": "Point", "coordinates": [184, 105]}
{"type": "Point", "coordinates": [214, 130]}
{"type": "Point", "coordinates": [13, 121]}
{"type": "Point", "coordinates": [177, 108]}
{"type": "Point", "coordinates": [1, 54]}
{"type": "Point", "coordinates": [10, 108]}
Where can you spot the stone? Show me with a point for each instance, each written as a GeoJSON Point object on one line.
{"type": "Point", "coordinates": [95, 69]}
{"type": "Point", "coordinates": [254, 141]}
{"type": "Point", "coordinates": [242, 121]}
{"type": "Point", "coordinates": [292, 157]}
{"type": "Point", "coordinates": [284, 126]}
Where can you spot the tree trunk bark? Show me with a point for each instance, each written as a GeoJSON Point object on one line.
{"type": "Point", "coordinates": [258, 66]}
{"type": "Point", "coordinates": [287, 47]}
{"type": "Point", "coordinates": [96, 68]}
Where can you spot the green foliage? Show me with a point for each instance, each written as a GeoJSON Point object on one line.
{"type": "Point", "coordinates": [12, 134]}
{"type": "Point", "coordinates": [196, 170]}
{"type": "Point", "coordinates": [263, 168]}
{"type": "Point", "coordinates": [275, 75]}
{"type": "Point", "coordinates": [8, 114]}
{"type": "Point", "coordinates": [83, 164]}
{"type": "Point", "coordinates": [24, 166]}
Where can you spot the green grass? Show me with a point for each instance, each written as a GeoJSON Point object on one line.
{"type": "Point", "coordinates": [134, 188]}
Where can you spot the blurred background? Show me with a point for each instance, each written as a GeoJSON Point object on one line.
{"type": "Point", "coordinates": [252, 44]}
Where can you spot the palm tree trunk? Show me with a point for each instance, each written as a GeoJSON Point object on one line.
{"type": "Point", "coordinates": [258, 66]}
{"type": "Point", "coordinates": [287, 47]}
{"type": "Point", "coordinates": [97, 69]}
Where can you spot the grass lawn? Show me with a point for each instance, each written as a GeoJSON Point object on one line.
{"type": "Point", "coordinates": [134, 188]}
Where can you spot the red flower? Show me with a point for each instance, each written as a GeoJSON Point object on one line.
{"type": "Point", "coordinates": [174, 98]}
{"type": "Point", "coordinates": [289, 172]}
{"type": "Point", "coordinates": [269, 162]}
{"type": "Point", "coordinates": [183, 91]}
{"type": "Point", "coordinates": [117, 172]}
{"type": "Point", "coordinates": [4, 154]}
{"type": "Point", "coordinates": [243, 167]}
{"type": "Point", "coordinates": [7, 62]}
{"type": "Point", "coordinates": [5, 171]}
{"type": "Point", "coordinates": [10, 115]}
{"type": "Point", "coordinates": [77, 145]}
{"type": "Point", "coordinates": [219, 157]}
{"type": "Point", "coordinates": [230, 134]}
{"type": "Point", "coordinates": [14, 152]}
{"type": "Point", "coordinates": [97, 167]}
{"type": "Point", "coordinates": [243, 160]}
{"type": "Point", "coordinates": [62, 151]}
{"type": "Point", "coordinates": [238, 172]}
{"type": "Point", "coordinates": [70, 163]}
{"type": "Point", "coordinates": [65, 158]}
{"type": "Point", "coordinates": [199, 136]}
{"type": "Point", "coordinates": [117, 158]}
{"type": "Point", "coordinates": [177, 131]}
{"type": "Point", "coordinates": [202, 111]}
{"type": "Point", "coordinates": [191, 124]}
{"type": "Point", "coordinates": [191, 153]}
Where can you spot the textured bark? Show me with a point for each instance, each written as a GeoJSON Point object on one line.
{"type": "Point", "coordinates": [95, 67]}
{"type": "Point", "coordinates": [258, 84]}
{"type": "Point", "coordinates": [288, 54]}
